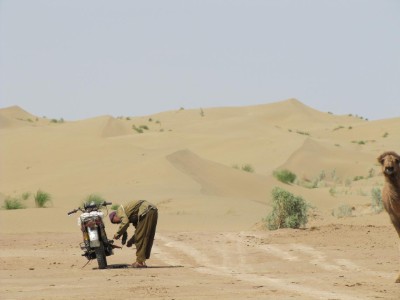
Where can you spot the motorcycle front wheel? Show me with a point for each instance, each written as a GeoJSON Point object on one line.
{"type": "Point", "coordinates": [101, 256]}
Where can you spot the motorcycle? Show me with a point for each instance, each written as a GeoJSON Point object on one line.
{"type": "Point", "coordinates": [95, 243]}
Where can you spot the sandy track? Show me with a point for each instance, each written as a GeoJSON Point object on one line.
{"type": "Point", "coordinates": [295, 264]}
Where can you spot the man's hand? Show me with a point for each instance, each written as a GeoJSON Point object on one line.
{"type": "Point", "coordinates": [124, 238]}
{"type": "Point", "coordinates": [116, 236]}
{"type": "Point", "coordinates": [131, 241]}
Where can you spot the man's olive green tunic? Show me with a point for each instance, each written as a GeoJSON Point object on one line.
{"type": "Point", "coordinates": [143, 215]}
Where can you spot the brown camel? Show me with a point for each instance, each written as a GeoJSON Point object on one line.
{"type": "Point", "coordinates": [390, 162]}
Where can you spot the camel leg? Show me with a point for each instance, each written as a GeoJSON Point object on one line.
{"type": "Point", "coordinates": [397, 227]}
{"type": "Point", "coordinates": [398, 277]}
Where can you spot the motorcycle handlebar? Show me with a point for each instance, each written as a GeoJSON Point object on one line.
{"type": "Point", "coordinates": [89, 206]}
{"type": "Point", "coordinates": [72, 212]}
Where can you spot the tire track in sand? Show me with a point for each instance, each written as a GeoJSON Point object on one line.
{"type": "Point", "coordinates": [238, 269]}
{"type": "Point", "coordinates": [302, 252]}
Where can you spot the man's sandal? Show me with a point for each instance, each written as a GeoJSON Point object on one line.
{"type": "Point", "coordinates": [139, 265]}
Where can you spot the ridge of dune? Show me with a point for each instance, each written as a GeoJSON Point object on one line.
{"type": "Point", "coordinates": [114, 127]}
{"type": "Point", "coordinates": [219, 180]}
{"type": "Point", "coordinates": [290, 113]}
{"type": "Point", "coordinates": [104, 155]}
{"type": "Point", "coordinates": [14, 117]}
{"type": "Point", "coordinates": [16, 112]}
{"type": "Point", "coordinates": [314, 157]}
{"type": "Point", "coordinates": [102, 126]}
{"type": "Point", "coordinates": [293, 112]}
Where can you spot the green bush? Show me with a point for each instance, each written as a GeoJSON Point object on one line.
{"type": "Point", "coordinates": [12, 203]}
{"type": "Point", "coordinates": [115, 206]}
{"type": "Point", "coordinates": [332, 191]}
{"type": "Point", "coordinates": [138, 130]}
{"type": "Point", "coordinates": [97, 199]}
{"type": "Point", "coordinates": [42, 198]}
{"type": "Point", "coordinates": [288, 211]}
{"type": "Point", "coordinates": [343, 211]}
{"type": "Point", "coordinates": [25, 196]}
{"type": "Point", "coordinates": [285, 176]}
{"type": "Point", "coordinates": [248, 168]}
{"type": "Point", "coordinates": [376, 200]}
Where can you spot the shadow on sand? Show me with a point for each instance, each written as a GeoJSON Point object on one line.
{"type": "Point", "coordinates": [128, 266]}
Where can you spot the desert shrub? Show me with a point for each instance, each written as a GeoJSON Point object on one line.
{"type": "Point", "coordinates": [288, 211]}
{"type": "Point", "coordinates": [309, 184]}
{"type": "Point", "coordinates": [333, 175]}
{"type": "Point", "coordinates": [321, 175]}
{"type": "Point", "coordinates": [376, 200]}
{"type": "Point", "coordinates": [285, 176]}
{"type": "Point", "coordinates": [359, 142]}
{"type": "Point", "coordinates": [25, 196]}
{"type": "Point", "coordinates": [42, 198]}
{"type": "Point", "coordinates": [385, 134]}
{"type": "Point", "coordinates": [343, 211]}
{"type": "Point", "coordinates": [302, 132]}
{"type": "Point", "coordinates": [371, 173]}
{"type": "Point", "coordinates": [140, 129]}
{"type": "Point", "coordinates": [337, 128]}
{"type": "Point", "coordinates": [12, 203]}
{"type": "Point", "coordinates": [115, 206]}
{"type": "Point", "coordinates": [97, 199]}
{"type": "Point", "coordinates": [332, 191]}
{"type": "Point", "coordinates": [61, 120]}
{"type": "Point", "coordinates": [347, 182]}
{"type": "Point", "coordinates": [248, 168]}
{"type": "Point", "coordinates": [137, 129]}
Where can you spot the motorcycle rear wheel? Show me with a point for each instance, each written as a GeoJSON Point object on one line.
{"type": "Point", "coordinates": [101, 256]}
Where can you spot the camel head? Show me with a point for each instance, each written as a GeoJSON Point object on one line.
{"type": "Point", "coordinates": [390, 162]}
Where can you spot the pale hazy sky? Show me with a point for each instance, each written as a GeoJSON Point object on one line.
{"type": "Point", "coordinates": [77, 59]}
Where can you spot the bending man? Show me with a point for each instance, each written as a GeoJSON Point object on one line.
{"type": "Point", "coordinates": [143, 215]}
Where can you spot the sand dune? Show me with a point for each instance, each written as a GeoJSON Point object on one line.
{"type": "Point", "coordinates": [106, 156]}
{"type": "Point", "coordinates": [314, 158]}
{"type": "Point", "coordinates": [211, 231]}
{"type": "Point", "coordinates": [114, 127]}
{"type": "Point", "coordinates": [219, 180]}
{"type": "Point", "coordinates": [14, 117]}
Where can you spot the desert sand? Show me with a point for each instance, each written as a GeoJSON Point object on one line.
{"type": "Point", "coordinates": [211, 240]}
